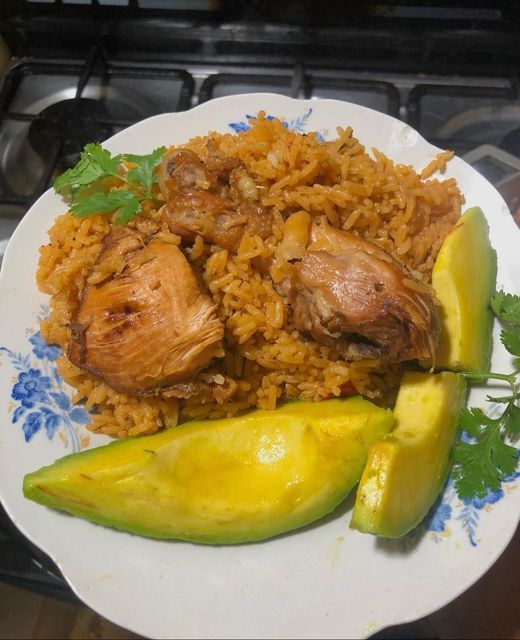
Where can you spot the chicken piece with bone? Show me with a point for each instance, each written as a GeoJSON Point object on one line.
{"type": "Point", "coordinates": [193, 209]}
{"type": "Point", "coordinates": [342, 287]}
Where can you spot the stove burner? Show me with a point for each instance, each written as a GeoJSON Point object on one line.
{"type": "Point", "coordinates": [71, 124]}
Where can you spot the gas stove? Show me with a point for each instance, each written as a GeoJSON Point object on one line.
{"type": "Point", "coordinates": [49, 109]}
{"type": "Point", "coordinates": [80, 73]}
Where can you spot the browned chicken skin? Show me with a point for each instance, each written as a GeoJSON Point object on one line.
{"type": "Point", "coordinates": [350, 289]}
{"type": "Point", "coordinates": [193, 210]}
{"type": "Point", "coordinates": [149, 327]}
{"type": "Point", "coordinates": [185, 167]}
{"type": "Point", "coordinates": [201, 213]}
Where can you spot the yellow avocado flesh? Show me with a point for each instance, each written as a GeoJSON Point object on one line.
{"type": "Point", "coordinates": [464, 277]}
{"type": "Point", "coordinates": [407, 469]}
{"type": "Point", "coordinates": [220, 481]}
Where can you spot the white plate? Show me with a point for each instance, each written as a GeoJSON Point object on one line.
{"type": "Point", "coordinates": [322, 582]}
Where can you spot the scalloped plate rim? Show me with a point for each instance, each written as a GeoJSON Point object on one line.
{"type": "Point", "coordinates": [5, 287]}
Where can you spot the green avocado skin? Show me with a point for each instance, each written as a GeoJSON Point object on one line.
{"type": "Point", "coordinates": [223, 481]}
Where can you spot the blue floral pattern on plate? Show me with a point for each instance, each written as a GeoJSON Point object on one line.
{"type": "Point", "coordinates": [39, 400]}
{"type": "Point", "coordinates": [40, 404]}
{"type": "Point", "coordinates": [299, 124]}
{"type": "Point", "coordinates": [448, 509]}
{"type": "Point", "coordinates": [464, 513]}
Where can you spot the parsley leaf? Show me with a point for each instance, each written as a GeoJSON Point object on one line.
{"type": "Point", "coordinates": [511, 341]}
{"type": "Point", "coordinates": [95, 163]}
{"type": "Point", "coordinates": [472, 421]}
{"type": "Point", "coordinates": [128, 211]}
{"type": "Point", "coordinates": [511, 420]}
{"type": "Point", "coordinates": [481, 465]}
{"type": "Point", "coordinates": [143, 172]}
{"type": "Point", "coordinates": [103, 158]}
{"type": "Point", "coordinates": [482, 458]}
{"type": "Point", "coordinates": [126, 202]}
{"type": "Point", "coordinates": [506, 307]}
{"type": "Point", "coordinates": [88, 196]}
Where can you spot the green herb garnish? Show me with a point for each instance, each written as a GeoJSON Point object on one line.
{"type": "Point", "coordinates": [82, 184]}
{"type": "Point", "coordinates": [483, 459]}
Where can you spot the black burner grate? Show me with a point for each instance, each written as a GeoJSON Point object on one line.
{"type": "Point", "coordinates": [463, 117]}
{"type": "Point", "coordinates": [43, 136]}
{"type": "Point", "coordinates": [297, 83]}
{"type": "Point", "coordinates": [24, 565]}
{"type": "Point", "coordinates": [57, 133]}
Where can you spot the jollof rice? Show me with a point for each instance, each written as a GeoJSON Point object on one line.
{"type": "Point", "coordinates": [406, 213]}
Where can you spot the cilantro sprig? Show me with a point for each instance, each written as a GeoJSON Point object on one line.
{"type": "Point", "coordinates": [483, 458]}
{"type": "Point", "coordinates": [83, 183]}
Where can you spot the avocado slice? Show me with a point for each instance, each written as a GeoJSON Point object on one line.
{"type": "Point", "coordinates": [407, 469]}
{"type": "Point", "coordinates": [220, 481]}
{"type": "Point", "coordinates": [464, 279]}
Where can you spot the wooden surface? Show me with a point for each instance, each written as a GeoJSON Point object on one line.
{"type": "Point", "coordinates": [26, 615]}
{"type": "Point", "coordinates": [488, 610]}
